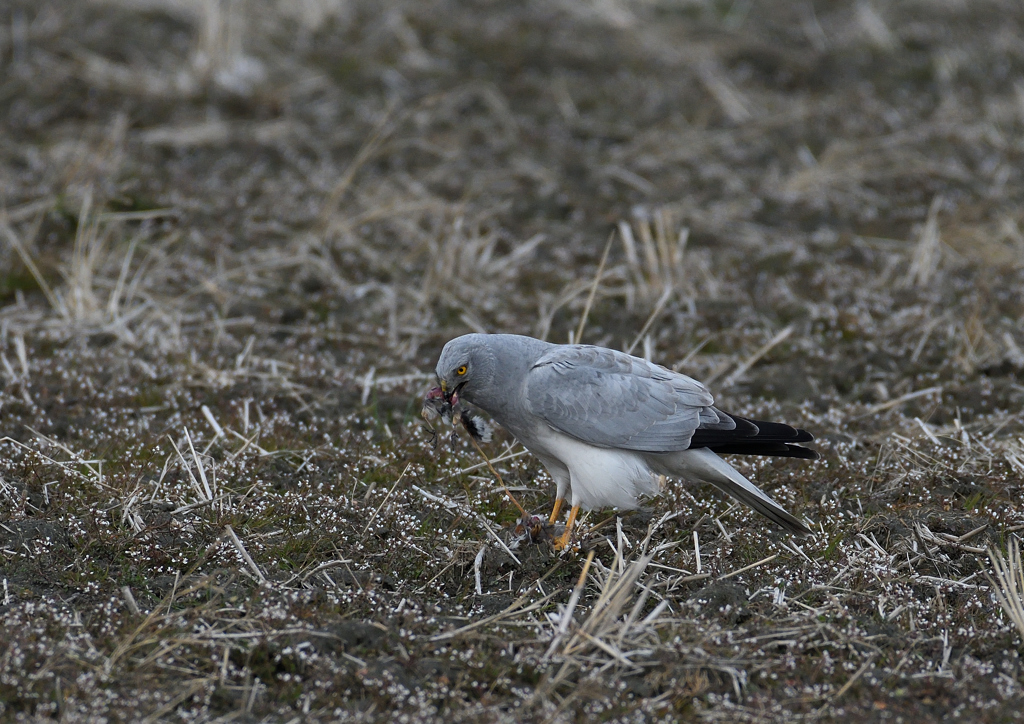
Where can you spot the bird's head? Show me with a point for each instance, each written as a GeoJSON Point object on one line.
{"type": "Point", "coordinates": [466, 366]}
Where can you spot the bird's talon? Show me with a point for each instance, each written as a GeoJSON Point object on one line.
{"type": "Point", "coordinates": [563, 542]}
{"type": "Point", "coordinates": [561, 547]}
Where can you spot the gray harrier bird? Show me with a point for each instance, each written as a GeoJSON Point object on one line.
{"type": "Point", "coordinates": [605, 423]}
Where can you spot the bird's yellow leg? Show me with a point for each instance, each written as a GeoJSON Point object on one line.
{"type": "Point", "coordinates": [562, 542]}
{"type": "Point", "coordinates": [554, 511]}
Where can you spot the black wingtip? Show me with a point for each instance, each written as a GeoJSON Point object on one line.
{"type": "Point", "coordinates": [804, 453]}
{"type": "Point", "coordinates": [756, 437]}
{"type": "Point", "coordinates": [778, 431]}
{"type": "Point", "coordinates": [769, 449]}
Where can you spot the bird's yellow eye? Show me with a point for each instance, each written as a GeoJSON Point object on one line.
{"type": "Point", "coordinates": [461, 371]}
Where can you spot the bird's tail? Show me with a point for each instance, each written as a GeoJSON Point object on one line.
{"type": "Point", "coordinates": [704, 465]}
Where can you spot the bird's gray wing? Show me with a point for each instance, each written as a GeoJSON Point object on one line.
{"type": "Point", "coordinates": [614, 400]}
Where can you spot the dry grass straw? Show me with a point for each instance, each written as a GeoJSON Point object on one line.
{"type": "Point", "coordinates": [874, 27]}
{"type": "Point", "coordinates": [465, 261]}
{"type": "Point", "coordinates": [654, 267]}
{"type": "Point", "coordinates": [604, 635]}
{"type": "Point", "coordinates": [469, 513]}
{"type": "Point", "coordinates": [497, 476]}
{"type": "Point", "coordinates": [732, 101]}
{"type": "Point", "coordinates": [387, 497]}
{"type": "Point", "coordinates": [1008, 582]}
{"type": "Point", "coordinates": [29, 262]}
{"type": "Point", "coordinates": [659, 306]}
{"type": "Point", "coordinates": [217, 58]}
{"type": "Point", "coordinates": [104, 288]}
{"type": "Point", "coordinates": [655, 262]}
{"type": "Point", "coordinates": [741, 369]}
{"type": "Point", "coordinates": [73, 467]}
{"type": "Point", "coordinates": [926, 257]}
{"type": "Point", "coordinates": [897, 401]}
{"type": "Point", "coordinates": [237, 543]}
{"type": "Point", "coordinates": [518, 607]}
{"type": "Point", "coordinates": [385, 126]}
{"type": "Point", "coordinates": [204, 487]}
{"type": "Point", "coordinates": [578, 337]}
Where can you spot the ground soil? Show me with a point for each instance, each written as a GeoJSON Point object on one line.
{"type": "Point", "coordinates": [235, 234]}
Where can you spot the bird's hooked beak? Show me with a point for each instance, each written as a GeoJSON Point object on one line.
{"type": "Point", "coordinates": [451, 397]}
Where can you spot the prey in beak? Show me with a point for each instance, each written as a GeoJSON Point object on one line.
{"type": "Point", "coordinates": [439, 404]}
{"type": "Point", "coordinates": [451, 397]}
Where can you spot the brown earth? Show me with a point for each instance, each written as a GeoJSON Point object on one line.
{"type": "Point", "coordinates": [236, 233]}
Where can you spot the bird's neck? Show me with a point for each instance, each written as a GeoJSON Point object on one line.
{"type": "Point", "coordinates": [505, 396]}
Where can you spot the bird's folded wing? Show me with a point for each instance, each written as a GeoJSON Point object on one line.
{"type": "Point", "coordinates": [611, 399]}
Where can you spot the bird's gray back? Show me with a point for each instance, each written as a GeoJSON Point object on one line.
{"type": "Point", "coordinates": [612, 399]}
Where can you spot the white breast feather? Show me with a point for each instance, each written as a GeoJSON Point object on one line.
{"type": "Point", "coordinates": [599, 477]}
